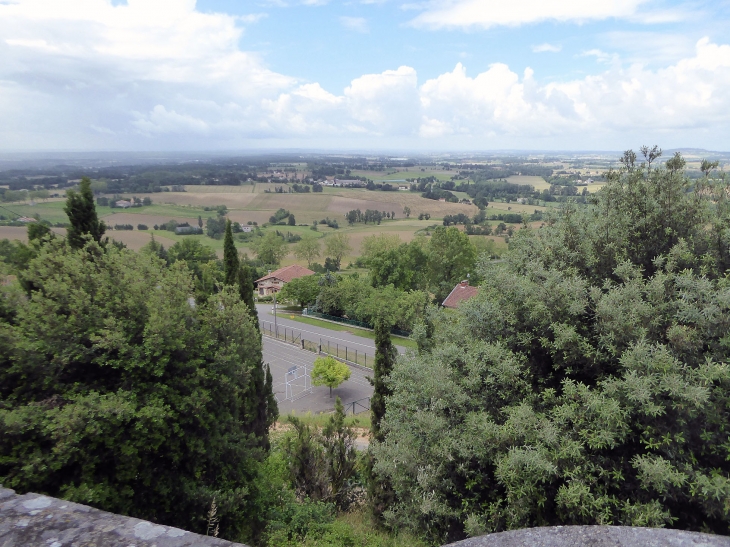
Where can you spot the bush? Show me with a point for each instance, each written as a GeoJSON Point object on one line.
{"type": "Point", "coordinates": [142, 227]}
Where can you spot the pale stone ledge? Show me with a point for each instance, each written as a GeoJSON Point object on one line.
{"type": "Point", "coordinates": [595, 536]}
{"type": "Point", "coordinates": [34, 520]}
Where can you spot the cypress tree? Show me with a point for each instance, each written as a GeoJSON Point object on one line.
{"type": "Point", "coordinates": [380, 490]}
{"type": "Point", "coordinates": [245, 289]}
{"type": "Point", "coordinates": [81, 213]}
{"type": "Point", "coordinates": [230, 257]}
{"type": "Point", "coordinates": [385, 356]}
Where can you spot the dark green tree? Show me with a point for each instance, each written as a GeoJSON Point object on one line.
{"type": "Point", "coordinates": [37, 230]}
{"type": "Point", "coordinates": [231, 263]}
{"type": "Point", "coordinates": [380, 491]}
{"type": "Point", "coordinates": [81, 213]}
{"type": "Point", "coordinates": [385, 358]}
{"type": "Point", "coordinates": [245, 290]}
{"type": "Point", "coordinates": [116, 391]}
{"type": "Point", "coordinates": [451, 256]}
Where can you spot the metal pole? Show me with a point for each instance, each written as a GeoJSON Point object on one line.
{"type": "Point", "coordinates": [276, 328]}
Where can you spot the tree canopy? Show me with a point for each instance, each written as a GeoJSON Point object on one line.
{"type": "Point", "coordinates": [329, 372]}
{"type": "Point", "coordinates": [82, 216]}
{"type": "Point", "coordinates": [119, 391]}
{"type": "Point", "coordinates": [587, 383]}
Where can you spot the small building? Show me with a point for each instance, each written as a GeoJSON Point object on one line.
{"type": "Point", "coordinates": [26, 219]}
{"type": "Point", "coordinates": [274, 281]}
{"type": "Point", "coordinates": [403, 188]}
{"type": "Point", "coordinates": [123, 204]}
{"type": "Point", "coordinates": [463, 291]}
{"type": "Point", "coordinates": [246, 229]}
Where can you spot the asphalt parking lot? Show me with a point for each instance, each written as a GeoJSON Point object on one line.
{"type": "Point", "coordinates": [281, 357]}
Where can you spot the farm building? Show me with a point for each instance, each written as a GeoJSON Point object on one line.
{"type": "Point", "coordinates": [274, 281]}
{"type": "Point", "coordinates": [463, 291]}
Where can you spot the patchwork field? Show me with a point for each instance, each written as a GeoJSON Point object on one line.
{"type": "Point", "coordinates": [251, 203]}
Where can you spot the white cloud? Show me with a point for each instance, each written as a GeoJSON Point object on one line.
{"type": "Point", "coordinates": [546, 48]}
{"type": "Point", "coordinates": [490, 13]}
{"type": "Point", "coordinates": [358, 24]}
{"type": "Point", "coordinates": [160, 74]}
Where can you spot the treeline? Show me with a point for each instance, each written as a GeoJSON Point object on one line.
{"type": "Point", "coordinates": [369, 216]}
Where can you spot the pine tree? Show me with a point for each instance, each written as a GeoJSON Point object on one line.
{"type": "Point", "coordinates": [81, 213]}
{"type": "Point", "coordinates": [231, 263]}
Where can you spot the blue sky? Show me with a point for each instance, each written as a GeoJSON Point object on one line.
{"type": "Point", "coordinates": [372, 74]}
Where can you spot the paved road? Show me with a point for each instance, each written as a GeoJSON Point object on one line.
{"type": "Point", "coordinates": [315, 333]}
{"type": "Point", "coordinates": [282, 356]}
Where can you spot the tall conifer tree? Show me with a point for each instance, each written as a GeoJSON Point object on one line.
{"type": "Point", "coordinates": [380, 490]}
{"type": "Point", "coordinates": [81, 213]}
{"type": "Point", "coordinates": [245, 289]}
{"type": "Point", "coordinates": [231, 263]}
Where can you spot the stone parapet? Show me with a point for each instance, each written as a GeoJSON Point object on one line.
{"type": "Point", "coordinates": [33, 520]}
{"type": "Point", "coordinates": [595, 536]}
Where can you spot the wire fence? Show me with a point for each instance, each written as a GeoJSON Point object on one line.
{"type": "Point", "coordinates": [356, 407]}
{"type": "Point", "coordinates": [322, 347]}
{"type": "Point", "coordinates": [352, 322]}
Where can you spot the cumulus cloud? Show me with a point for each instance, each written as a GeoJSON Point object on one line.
{"type": "Point", "coordinates": [91, 64]}
{"type": "Point", "coordinates": [490, 13]}
{"type": "Point", "coordinates": [158, 73]}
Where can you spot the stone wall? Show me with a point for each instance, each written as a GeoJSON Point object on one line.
{"type": "Point", "coordinates": [33, 520]}
{"type": "Point", "coordinates": [595, 536]}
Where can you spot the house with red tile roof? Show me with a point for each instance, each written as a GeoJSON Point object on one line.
{"type": "Point", "coordinates": [463, 291]}
{"type": "Point", "coordinates": [274, 281]}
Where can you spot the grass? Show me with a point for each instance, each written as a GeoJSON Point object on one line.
{"type": "Point", "coordinates": [364, 531]}
{"type": "Point", "coordinates": [321, 418]}
{"type": "Point", "coordinates": [357, 331]}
